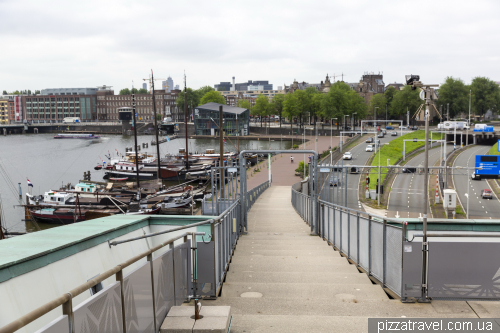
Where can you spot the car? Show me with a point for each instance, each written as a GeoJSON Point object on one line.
{"type": "Point", "coordinates": [347, 155]}
{"type": "Point", "coordinates": [377, 142]}
{"type": "Point", "coordinates": [380, 135]}
{"type": "Point", "coordinates": [394, 133]}
{"type": "Point", "coordinates": [409, 170]}
{"type": "Point", "coordinates": [389, 128]}
{"type": "Point", "coordinates": [384, 131]}
{"type": "Point", "coordinates": [369, 140]}
{"type": "Point", "coordinates": [369, 148]}
{"type": "Point", "coordinates": [335, 181]}
{"type": "Point", "coordinates": [403, 127]}
{"type": "Point", "coordinates": [486, 194]}
{"type": "Point", "coordinates": [414, 128]}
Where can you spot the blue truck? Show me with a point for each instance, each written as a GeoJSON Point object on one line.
{"type": "Point", "coordinates": [489, 165]}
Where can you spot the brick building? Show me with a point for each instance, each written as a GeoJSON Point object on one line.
{"type": "Point", "coordinates": [108, 104]}
{"type": "Point", "coordinates": [4, 111]}
{"type": "Point", "coordinates": [369, 85]}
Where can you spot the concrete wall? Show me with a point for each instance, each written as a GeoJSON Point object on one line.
{"type": "Point", "coordinates": [288, 131]}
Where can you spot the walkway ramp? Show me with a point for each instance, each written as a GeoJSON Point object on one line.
{"type": "Point", "coordinates": [283, 279]}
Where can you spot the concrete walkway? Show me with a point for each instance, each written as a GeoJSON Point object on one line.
{"type": "Point", "coordinates": [282, 279]}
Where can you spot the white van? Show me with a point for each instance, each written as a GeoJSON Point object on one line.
{"type": "Point", "coordinates": [70, 120]}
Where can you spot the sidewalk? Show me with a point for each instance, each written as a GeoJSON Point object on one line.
{"type": "Point", "coordinates": [282, 279]}
{"type": "Point", "coordinates": [282, 169]}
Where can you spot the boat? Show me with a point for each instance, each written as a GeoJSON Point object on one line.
{"type": "Point", "coordinates": [209, 155]}
{"type": "Point", "coordinates": [177, 202]}
{"type": "Point", "coordinates": [86, 136]}
{"type": "Point", "coordinates": [122, 179]}
{"type": "Point", "coordinates": [98, 167]}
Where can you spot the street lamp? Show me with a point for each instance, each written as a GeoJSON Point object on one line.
{"type": "Point", "coordinates": [331, 140]}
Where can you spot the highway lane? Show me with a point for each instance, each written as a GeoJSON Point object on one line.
{"type": "Point", "coordinates": [407, 190]}
{"type": "Point", "coordinates": [479, 207]}
{"type": "Point", "coordinates": [359, 157]}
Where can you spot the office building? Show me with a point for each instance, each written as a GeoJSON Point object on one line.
{"type": "Point", "coordinates": [145, 86]}
{"type": "Point", "coordinates": [69, 91]}
{"type": "Point", "coordinates": [54, 108]}
{"type": "Point", "coordinates": [250, 85]}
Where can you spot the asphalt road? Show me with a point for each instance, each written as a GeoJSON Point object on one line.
{"type": "Point", "coordinates": [338, 193]}
{"type": "Point", "coordinates": [478, 207]}
{"type": "Point", "coordinates": [407, 190]}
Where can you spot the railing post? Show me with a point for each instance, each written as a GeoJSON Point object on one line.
{"type": "Point", "coordinates": [334, 228]}
{"type": "Point", "coordinates": [67, 309]}
{"type": "Point", "coordinates": [119, 278]}
{"type": "Point", "coordinates": [384, 252]}
{"type": "Point", "coordinates": [150, 260]}
{"type": "Point", "coordinates": [348, 234]}
{"type": "Point", "coordinates": [340, 227]}
{"type": "Point", "coordinates": [403, 239]}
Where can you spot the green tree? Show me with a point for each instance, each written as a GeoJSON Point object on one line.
{"type": "Point", "coordinates": [261, 107]}
{"type": "Point", "coordinates": [125, 91]}
{"type": "Point", "coordinates": [296, 105]}
{"type": "Point", "coordinates": [336, 102]}
{"type": "Point", "coordinates": [213, 96]}
{"type": "Point", "coordinates": [314, 103]}
{"type": "Point", "coordinates": [192, 97]}
{"type": "Point", "coordinates": [202, 91]}
{"type": "Point", "coordinates": [37, 92]}
{"type": "Point", "coordinates": [5, 92]}
{"type": "Point", "coordinates": [378, 102]}
{"type": "Point", "coordinates": [389, 94]}
{"type": "Point", "coordinates": [406, 99]}
{"type": "Point", "coordinates": [485, 95]}
{"type": "Point", "coordinates": [243, 103]}
{"type": "Point", "coordinates": [142, 91]}
{"type": "Point", "coordinates": [455, 93]}
{"type": "Point", "coordinates": [277, 105]}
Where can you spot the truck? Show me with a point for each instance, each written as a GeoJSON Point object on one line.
{"type": "Point", "coordinates": [451, 125]}
{"type": "Point", "coordinates": [71, 120]}
{"type": "Point", "coordinates": [483, 128]}
{"type": "Point", "coordinates": [486, 166]}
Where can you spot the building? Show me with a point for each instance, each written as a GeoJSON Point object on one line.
{"type": "Point", "coordinates": [16, 108]}
{"type": "Point", "coordinates": [54, 108]}
{"type": "Point", "coordinates": [254, 93]}
{"type": "Point", "coordinates": [398, 86]}
{"type": "Point", "coordinates": [4, 111]}
{"type": "Point", "coordinates": [168, 85]}
{"type": "Point", "coordinates": [108, 104]}
{"type": "Point", "coordinates": [145, 86]}
{"type": "Point", "coordinates": [69, 91]}
{"type": "Point", "coordinates": [369, 85]}
{"type": "Point", "coordinates": [206, 119]}
{"type": "Point", "coordinates": [250, 85]}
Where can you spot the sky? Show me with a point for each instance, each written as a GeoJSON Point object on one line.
{"type": "Point", "coordinates": [75, 44]}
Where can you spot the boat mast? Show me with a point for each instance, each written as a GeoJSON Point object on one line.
{"type": "Point", "coordinates": [135, 142]}
{"type": "Point", "coordinates": [156, 129]}
{"type": "Point", "coordinates": [185, 121]}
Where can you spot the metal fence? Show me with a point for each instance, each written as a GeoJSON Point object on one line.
{"type": "Point", "coordinates": [367, 240]}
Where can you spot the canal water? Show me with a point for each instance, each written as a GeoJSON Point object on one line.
{"type": "Point", "coordinates": [49, 163]}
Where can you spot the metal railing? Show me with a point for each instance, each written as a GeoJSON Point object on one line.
{"type": "Point", "coordinates": [150, 297]}
{"type": "Point", "coordinates": [367, 240]}
{"type": "Point", "coordinates": [254, 194]}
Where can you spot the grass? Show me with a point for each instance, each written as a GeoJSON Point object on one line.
{"type": "Point", "coordinates": [459, 211]}
{"type": "Point", "coordinates": [494, 150]}
{"type": "Point", "coordinates": [394, 151]}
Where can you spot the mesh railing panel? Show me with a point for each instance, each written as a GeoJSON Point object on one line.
{"type": "Point", "coordinates": [337, 228]}
{"type": "Point", "coordinates": [330, 224]}
{"type": "Point", "coordinates": [394, 258]}
{"type": "Point", "coordinates": [353, 237]}
{"type": "Point", "coordinates": [377, 250]}
{"type": "Point", "coordinates": [345, 232]}
{"type": "Point", "coordinates": [363, 243]}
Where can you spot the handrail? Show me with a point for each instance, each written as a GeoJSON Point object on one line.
{"type": "Point", "coordinates": [47, 307]}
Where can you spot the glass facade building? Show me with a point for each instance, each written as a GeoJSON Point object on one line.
{"type": "Point", "coordinates": [206, 119]}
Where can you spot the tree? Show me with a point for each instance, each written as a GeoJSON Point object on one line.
{"type": "Point", "coordinates": [142, 91]}
{"type": "Point", "coordinates": [485, 95]}
{"type": "Point", "coordinates": [213, 96]}
{"type": "Point", "coordinates": [455, 93]}
{"type": "Point", "coordinates": [192, 98]}
{"type": "Point", "coordinates": [313, 107]}
{"type": "Point", "coordinates": [261, 107]}
{"type": "Point", "coordinates": [296, 105]}
{"type": "Point", "coordinates": [335, 103]}
{"type": "Point", "coordinates": [277, 105]}
{"type": "Point", "coordinates": [406, 99]}
{"type": "Point", "coordinates": [5, 92]}
{"type": "Point", "coordinates": [243, 103]}
{"type": "Point", "coordinates": [37, 92]}
{"type": "Point", "coordinates": [202, 91]}
{"type": "Point", "coordinates": [125, 91]}
{"type": "Point", "coordinates": [378, 103]}
{"type": "Point", "coordinates": [389, 94]}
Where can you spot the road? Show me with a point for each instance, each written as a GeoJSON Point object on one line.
{"type": "Point", "coordinates": [479, 207]}
{"type": "Point", "coordinates": [338, 194]}
{"type": "Point", "coordinates": [407, 190]}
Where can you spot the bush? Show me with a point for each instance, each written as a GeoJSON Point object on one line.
{"type": "Point", "coordinates": [295, 146]}
{"type": "Point", "coordinates": [300, 169]}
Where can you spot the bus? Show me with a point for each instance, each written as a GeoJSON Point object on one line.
{"type": "Point", "coordinates": [71, 120]}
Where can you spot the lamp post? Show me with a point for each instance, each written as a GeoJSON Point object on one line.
{"type": "Point", "coordinates": [470, 104]}
{"type": "Point", "coordinates": [331, 140]}
{"type": "Point", "coordinates": [379, 181]}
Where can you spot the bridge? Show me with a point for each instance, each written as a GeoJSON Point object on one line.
{"type": "Point", "coordinates": [282, 258]}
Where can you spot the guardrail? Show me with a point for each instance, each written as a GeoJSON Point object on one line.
{"type": "Point", "coordinates": [146, 290]}
{"type": "Point", "coordinates": [255, 193]}
{"type": "Point", "coordinates": [367, 240]}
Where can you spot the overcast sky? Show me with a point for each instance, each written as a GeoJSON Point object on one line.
{"type": "Point", "coordinates": [56, 44]}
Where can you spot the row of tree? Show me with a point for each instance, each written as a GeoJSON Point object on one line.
{"type": "Point", "coordinates": [128, 91]}
{"type": "Point", "coordinates": [483, 95]}
{"type": "Point", "coordinates": [21, 92]}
